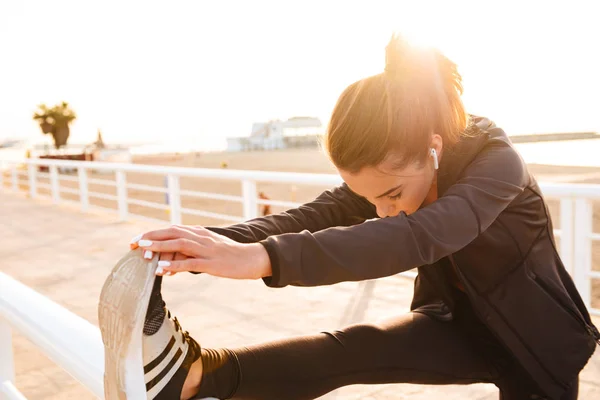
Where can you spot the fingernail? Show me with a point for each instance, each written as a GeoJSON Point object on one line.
{"type": "Point", "coordinates": [170, 273]}
{"type": "Point", "coordinates": [159, 270]}
{"type": "Point", "coordinates": [148, 254]}
{"type": "Point", "coordinates": [145, 243]}
{"type": "Point", "coordinates": [164, 264]}
{"type": "Point", "coordinates": [136, 239]}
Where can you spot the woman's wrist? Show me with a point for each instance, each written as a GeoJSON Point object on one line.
{"type": "Point", "coordinates": [260, 260]}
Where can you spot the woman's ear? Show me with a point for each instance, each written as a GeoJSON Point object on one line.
{"type": "Point", "coordinates": [437, 143]}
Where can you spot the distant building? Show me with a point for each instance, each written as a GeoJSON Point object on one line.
{"type": "Point", "coordinates": [276, 134]}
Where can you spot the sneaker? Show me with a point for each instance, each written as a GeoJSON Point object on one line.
{"type": "Point", "coordinates": [147, 354]}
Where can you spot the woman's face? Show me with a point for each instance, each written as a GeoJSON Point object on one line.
{"type": "Point", "coordinates": [395, 190]}
{"type": "Point", "coordinates": [392, 191]}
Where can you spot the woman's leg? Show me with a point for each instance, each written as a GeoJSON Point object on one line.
{"type": "Point", "coordinates": [413, 348]}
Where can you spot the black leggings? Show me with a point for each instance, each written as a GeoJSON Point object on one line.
{"type": "Point", "coordinates": [413, 348]}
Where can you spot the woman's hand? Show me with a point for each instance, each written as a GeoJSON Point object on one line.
{"type": "Point", "coordinates": [187, 248]}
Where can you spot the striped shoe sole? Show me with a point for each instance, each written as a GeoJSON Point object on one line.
{"type": "Point", "coordinates": [121, 313]}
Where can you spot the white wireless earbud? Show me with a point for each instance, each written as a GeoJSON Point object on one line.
{"type": "Point", "coordinates": [436, 164]}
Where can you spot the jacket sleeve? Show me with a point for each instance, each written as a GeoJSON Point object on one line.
{"type": "Point", "coordinates": [388, 246]}
{"type": "Point", "coordinates": [336, 207]}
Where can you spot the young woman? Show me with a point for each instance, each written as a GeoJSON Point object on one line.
{"type": "Point", "coordinates": [426, 186]}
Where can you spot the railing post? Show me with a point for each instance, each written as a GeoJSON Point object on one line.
{"type": "Point", "coordinates": [566, 233]}
{"type": "Point", "coordinates": [7, 364]}
{"type": "Point", "coordinates": [122, 194]}
{"type": "Point", "coordinates": [84, 197]}
{"type": "Point", "coordinates": [31, 171]}
{"type": "Point", "coordinates": [359, 303]}
{"type": "Point", "coordinates": [174, 198]}
{"type": "Point", "coordinates": [582, 249]}
{"type": "Point", "coordinates": [54, 184]}
{"type": "Point", "coordinates": [250, 201]}
{"type": "Point", "coordinates": [15, 178]}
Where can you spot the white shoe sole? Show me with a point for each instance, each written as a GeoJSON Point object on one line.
{"type": "Point", "coordinates": [121, 314]}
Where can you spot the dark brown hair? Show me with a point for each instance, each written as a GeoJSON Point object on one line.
{"type": "Point", "coordinates": [398, 110]}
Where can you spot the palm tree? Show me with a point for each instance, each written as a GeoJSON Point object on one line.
{"type": "Point", "coordinates": [55, 120]}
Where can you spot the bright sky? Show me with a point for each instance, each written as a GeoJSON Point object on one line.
{"type": "Point", "coordinates": [198, 71]}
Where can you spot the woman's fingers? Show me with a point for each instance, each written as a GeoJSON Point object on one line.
{"type": "Point", "coordinates": [175, 243]}
{"type": "Point", "coordinates": [198, 230]}
{"type": "Point", "coordinates": [172, 232]}
{"type": "Point", "coordinates": [148, 254]}
{"type": "Point", "coordinates": [190, 264]}
{"type": "Point", "coordinates": [133, 243]}
{"type": "Point", "coordinates": [169, 257]}
{"type": "Point", "coordinates": [196, 249]}
{"type": "Point", "coordinates": [187, 247]}
{"type": "Point", "coordinates": [171, 273]}
{"type": "Point", "coordinates": [179, 257]}
{"type": "Point", "coordinates": [160, 234]}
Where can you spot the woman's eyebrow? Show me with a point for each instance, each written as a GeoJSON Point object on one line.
{"type": "Point", "coordinates": [389, 191]}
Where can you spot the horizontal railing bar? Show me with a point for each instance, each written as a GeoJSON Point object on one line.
{"type": "Point", "coordinates": [147, 188]}
{"type": "Point", "coordinates": [105, 182]}
{"type": "Point", "coordinates": [278, 203]}
{"type": "Point", "coordinates": [148, 204]}
{"type": "Point", "coordinates": [43, 322]}
{"type": "Point", "coordinates": [259, 176]}
{"type": "Point", "coordinates": [570, 190]}
{"type": "Point", "coordinates": [69, 190]}
{"type": "Point", "coordinates": [216, 196]}
{"type": "Point", "coordinates": [102, 196]}
{"type": "Point", "coordinates": [10, 391]}
{"type": "Point", "coordinates": [68, 178]}
{"type": "Point", "coordinates": [594, 274]}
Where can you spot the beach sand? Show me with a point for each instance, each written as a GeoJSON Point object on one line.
{"type": "Point", "coordinates": [304, 160]}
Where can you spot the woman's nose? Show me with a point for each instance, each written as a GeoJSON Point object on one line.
{"type": "Point", "coordinates": [385, 210]}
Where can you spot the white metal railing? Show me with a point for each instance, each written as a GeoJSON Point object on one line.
{"type": "Point", "coordinates": [576, 214]}
{"type": "Point", "coordinates": [43, 322]}
{"type": "Point", "coordinates": [247, 178]}
{"type": "Point", "coordinates": [575, 233]}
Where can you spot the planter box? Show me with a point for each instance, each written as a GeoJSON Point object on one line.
{"type": "Point", "coordinates": [73, 157]}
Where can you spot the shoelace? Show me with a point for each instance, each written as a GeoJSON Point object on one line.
{"type": "Point", "coordinates": [194, 347]}
{"type": "Point", "coordinates": [185, 335]}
